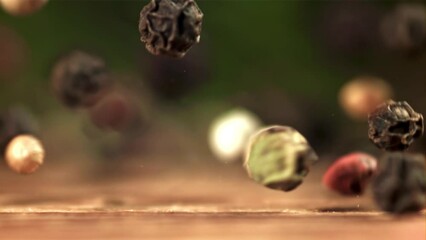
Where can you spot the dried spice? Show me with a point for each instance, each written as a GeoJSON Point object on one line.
{"type": "Point", "coordinates": [80, 79]}
{"type": "Point", "coordinates": [170, 27]}
{"type": "Point", "coordinates": [13, 122]}
{"type": "Point", "coordinates": [279, 157]}
{"type": "Point", "coordinates": [405, 27]}
{"type": "Point", "coordinates": [116, 111]}
{"type": "Point", "coordinates": [400, 186]}
{"type": "Point", "coordinates": [394, 126]}
{"type": "Point", "coordinates": [350, 174]}
{"type": "Point", "coordinates": [24, 154]}
{"type": "Point", "coordinates": [230, 132]}
{"type": "Point", "coordinates": [22, 7]}
{"type": "Point", "coordinates": [362, 95]}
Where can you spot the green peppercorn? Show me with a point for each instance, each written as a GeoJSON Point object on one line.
{"type": "Point", "coordinates": [279, 157]}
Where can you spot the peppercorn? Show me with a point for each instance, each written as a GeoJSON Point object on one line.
{"type": "Point", "coordinates": [80, 79]}
{"type": "Point", "coordinates": [15, 121]}
{"type": "Point", "coordinates": [394, 126]}
{"type": "Point", "coordinates": [13, 54]}
{"type": "Point", "coordinates": [22, 7]}
{"type": "Point", "coordinates": [24, 154]}
{"type": "Point", "coordinates": [405, 27]}
{"type": "Point", "coordinates": [170, 27]}
{"type": "Point", "coordinates": [230, 132]}
{"type": "Point", "coordinates": [351, 173]}
{"type": "Point", "coordinates": [400, 186]}
{"type": "Point", "coordinates": [115, 111]}
{"type": "Point", "coordinates": [362, 95]}
{"type": "Point", "coordinates": [279, 157]}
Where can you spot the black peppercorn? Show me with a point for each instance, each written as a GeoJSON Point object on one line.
{"type": "Point", "coordinates": [170, 27]}
{"type": "Point", "coordinates": [15, 121]}
{"type": "Point", "coordinates": [400, 186]}
{"type": "Point", "coordinates": [79, 79]}
{"type": "Point", "coordinates": [394, 126]}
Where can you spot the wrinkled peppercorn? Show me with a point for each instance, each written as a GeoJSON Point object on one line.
{"type": "Point", "coordinates": [279, 157]}
{"type": "Point", "coordinates": [13, 122]}
{"type": "Point", "coordinates": [170, 27]}
{"type": "Point", "coordinates": [400, 186]}
{"type": "Point", "coordinates": [405, 27]}
{"type": "Point", "coordinates": [80, 79]}
{"type": "Point", "coordinates": [350, 174]}
{"type": "Point", "coordinates": [393, 126]}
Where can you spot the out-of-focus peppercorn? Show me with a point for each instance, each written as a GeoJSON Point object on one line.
{"type": "Point", "coordinates": [362, 95]}
{"type": "Point", "coordinates": [22, 7]}
{"type": "Point", "coordinates": [24, 154]}
{"type": "Point", "coordinates": [279, 157]}
{"type": "Point", "coordinates": [80, 79]}
{"type": "Point", "coordinates": [400, 186]}
{"type": "Point", "coordinates": [13, 53]}
{"type": "Point", "coordinates": [351, 173]}
{"type": "Point", "coordinates": [405, 27]}
{"type": "Point", "coordinates": [15, 121]}
{"type": "Point", "coordinates": [117, 111]}
{"type": "Point", "coordinates": [170, 27]}
{"type": "Point", "coordinates": [230, 132]}
{"type": "Point", "coordinates": [394, 126]}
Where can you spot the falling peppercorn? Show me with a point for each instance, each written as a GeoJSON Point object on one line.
{"type": "Point", "coordinates": [362, 95]}
{"type": "Point", "coordinates": [279, 157]}
{"type": "Point", "coordinates": [80, 79]}
{"type": "Point", "coordinates": [394, 126]}
{"type": "Point", "coordinates": [400, 186]}
{"type": "Point", "coordinates": [405, 27]}
{"type": "Point", "coordinates": [22, 7]}
{"type": "Point", "coordinates": [350, 174]}
{"type": "Point", "coordinates": [229, 133]}
{"type": "Point", "coordinates": [116, 111]}
{"type": "Point", "coordinates": [24, 154]}
{"type": "Point", "coordinates": [15, 121]}
{"type": "Point", "coordinates": [170, 27]}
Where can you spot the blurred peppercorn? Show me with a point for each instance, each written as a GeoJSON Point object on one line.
{"type": "Point", "coordinates": [229, 133]}
{"type": "Point", "coordinates": [22, 7]}
{"type": "Point", "coordinates": [170, 27]}
{"type": "Point", "coordinates": [117, 111]}
{"type": "Point", "coordinates": [80, 79]}
{"type": "Point", "coordinates": [13, 53]}
{"type": "Point", "coordinates": [351, 173]}
{"type": "Point", "coordinates": [400, 186]}
{"type": "Point", "coordinates": [362, 95]}
{"type": "Point", "coordinates": [24, 154]}
{"type": "Point", "coordinates": [394, 126]}
{"type": "Point", "coordinates": [279, 157]}
{"type": "Point", "coordinates": [405, 27]}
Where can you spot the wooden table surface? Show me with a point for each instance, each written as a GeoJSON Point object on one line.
{"type": "Point", "coordinates": [184, 201]}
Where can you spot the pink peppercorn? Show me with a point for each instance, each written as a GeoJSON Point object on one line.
{"type": "Point", "coordinates": [350, 174]}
